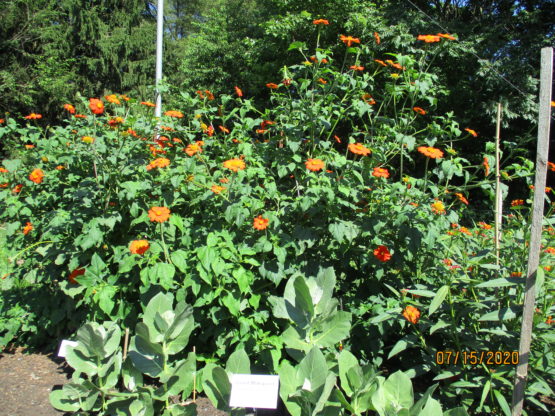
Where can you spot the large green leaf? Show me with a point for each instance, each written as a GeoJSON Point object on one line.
{"type": "Point", "coordinates": [333, 329]}
{"type": "Point", "coordinates": [438, 299]}
{"type": "Point", "coordinates": [145, 356]}
{"type": "Point", "coordinates": [398, 390]}
{"type": "Point", "coordinates": [217, 387]}
{"type": "Point", "coordinates": [238, 363]}
{"type": "Point", "coordinates": [313, 370]}
{"type": "Point", "coordinates": [348, 361]}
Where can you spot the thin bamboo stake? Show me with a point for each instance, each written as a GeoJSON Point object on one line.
{"type": "Point", "coordinates": [498, 195]}
{"type": "Point", "coordinates": [546, 76]}
{"type": "Point", "coordinates": [195, 379]}
{"type": "Point", "coordinates": [125, 343]}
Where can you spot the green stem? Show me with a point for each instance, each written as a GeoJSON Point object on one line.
{"type": "Point", "coordinates": [164, 244]}
{"type": "Point", "coordinates": [27, 248]}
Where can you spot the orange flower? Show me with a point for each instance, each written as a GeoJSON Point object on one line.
{"type": "Point", "coordinates": [272, 85]}
{"type": "Point", "coordinates": [193, 149]}
{"type": "Point", "coordinates": [112, 99]}
{"type": "Point", "coordinates": [380, 173]}
{"type": "Point", "coordinates": [224, 129]}
{"type": "Point", "coordinates": [419, 110]}
{"type": "Point", "coordinates": [315, 164]}
{"type": "Point", "coordinates": [238, 92]}
{"type": "Point", "coordinates": [224, 180]}
{"type": "Point", "coordinates": [36, 176]}
{"type": "Point", "coordinates": [430, 152]}
{"type": "Point", "coordinates": [115, 121]}
{"type": "Point", "coordinates": [551, 166]}
{"type": "Point", "coordinates": [320, 22]}
{"type": "Point", "coordinates": [349, 40]}
{"type": "Point", "coordinates": [159, 214]}
{"type": "Point", "coordinates": [550, 320]}
{"type": "Point", "coordinates": [234, 164]}
{"type": "Point", "coordinates": [368, 99]}
{"type": "Point", "coordinates": [465, 230]}
{"type": "Point", "coordinates": [446, 36]}
{"type": "Point", "coordinates": [33, 116]}
{"type": "Point", "coordinates": [174, 113]}
{"type": "Point", "coordinates": [485, 163]}
{"type": "Point", "coordinates": [261, 131]}
{"type": "Point", "coordinates": [96, 106]}
{"type": "Point", "coordinates": [337, 139]}
{"type": "Point", "coordinates": [60, 167]}
{"type": "Point", "coordinates": [356, 68]}
{"type": "Point", "coordinates": [395, 65]}
{"type": "Point", "coordinates": [80, 116]}
{"type": "Point", "coordinates": [69, 108]}
{"type": "Point", "coordinates": [517, 202]}
{"type": "Point", "coordinates": [74, 274]}
{"type": "Point", "coordinates": [209, 95]}
{"type": "Point", "coordinates": [322, 81]}
{"type": "Point", "coordinates": [217, 189]}
{"type": "Point", "coordinates": [429, 38]}
{"type": "Point", "coordinates": [484, 226]}
{"type": "Point", "coordinates": [379, 61]}
{"type": "Point", "coordinates": [29, 146]}
{"type": "Point", "coordinates": [139, 247]}
{"type": "Point", "coordinates": [377, 38]}
{"type": "Point", "coordinates": [3, 169]}
{"type": "Point", "coordinates": [516, 274]}
{"type": "Point", "coordinates": [550, 250]}
{"type": "Point", "coordinates": [411, 314]}
{"type": "Point", "coordinates": [17, 188]}
{"type": "Point", "coordinates": [161, 162]}
{"type": "Point", "coordinates": [472, 132]}
{"type": "Point", "coordinates": [382, 254]}
{"type": "Point", "coordinates": [438, 208]}
{"type": "Point", "coordinates": [124, 97]}
{"type": "Point", "coordinates": [148, 104]}
{"type": "Point", "coordinates": [27, 229]}
{"type": "Point", "coordinates": [260, 223]}
{"type": "Point", "coordinates": [358, 149]}
{"type": "Point", "coordinates": [461, 198]}
{"type": "Point", "coordinates": [2, 121]}
{"type": "Point", "coordinates": [88, 139]}
{"type": "Point", "coordinates": [200, 94]}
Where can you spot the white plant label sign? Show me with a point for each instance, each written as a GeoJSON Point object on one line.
{"type": "Point", "coordinates": [256, 391]}
{"type": "Point", "coordinates": [62, 352]}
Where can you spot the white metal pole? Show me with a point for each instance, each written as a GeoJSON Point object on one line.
{"type": "Point", "coordinates": [159, 44]}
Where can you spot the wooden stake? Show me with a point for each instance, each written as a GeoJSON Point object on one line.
{"type": "Point", "coordinates": [125, 343]}
{"type": "Point", "coordinates": [498, 194]}
{"type": "Point", "coordinates": [195, 379]}
{"type": "Point", "coordinates": [546, 76]}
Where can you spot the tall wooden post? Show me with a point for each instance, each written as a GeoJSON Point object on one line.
{"type": "Point", "coordinates": [546, 76]}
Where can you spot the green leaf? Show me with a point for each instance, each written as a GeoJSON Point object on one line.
{"type": "Point", "coordinates": [297, 45]}
{"type": "Point", "coordinates": [61, 400]}
{"type": "Point", "coordinates": [503, 314]}
{"type": "Point", "coordinates": [439, 325]}
{"type": "Point", "coordinates": [105, 296]}
{"type": "Point", "coordinates": [179, 260]}
{"type": "Point", "coordinates": [501, 282]}
{"type": "Point", "coordinates": [232, 303]}
{"type": "Point", "coordinates": [399, 346]}
{"type": "Point", "coordinates": [163, 274]}
{"type": "Point", "coordinates": [333, 329]}
{"type": "Point", "coordinates": [417, 408]}
{"type": "Point", "coordinates": [218, 388]}
{"type": "Point", "coordinates": [207, 255]}
{"type": "Point", "coordinates": [238, 363]}
{"type": "Point", "coordinates": [346, 362]}
{"type": "Point", "coordinates": [145, 357]}
{"type": "Point", "coordinates": [314, 369]}
{"type": "Point", "coordinates": [502, 402]}
{"type": "Point", "coordinates": [398, 390]}
{"type": "Point", "coordinates": [485, 392]}
{"type": "Point", "coordinates": [438, 299]}
{"type": "Point", "coordinates": [432, 408]}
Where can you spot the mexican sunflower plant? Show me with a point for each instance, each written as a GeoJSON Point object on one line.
{"type": "Point", "coordinates": [330, 227]}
